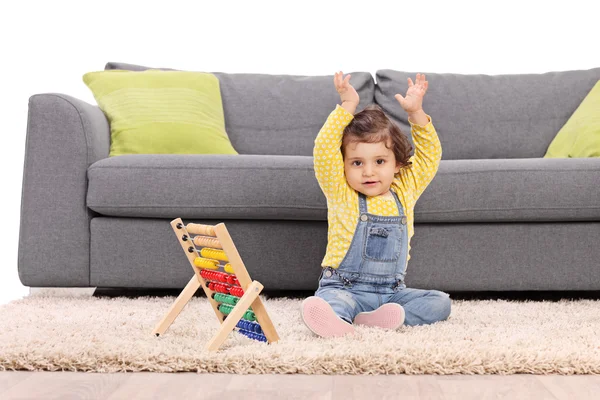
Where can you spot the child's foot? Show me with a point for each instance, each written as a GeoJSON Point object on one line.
{"type": "Point", "coordinates": [388, 316]}
{"type": "Point", "coordinates": [320, 318]}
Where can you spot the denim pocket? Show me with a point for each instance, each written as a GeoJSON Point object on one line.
{"type": "Point", "coordinates": [383, 242]}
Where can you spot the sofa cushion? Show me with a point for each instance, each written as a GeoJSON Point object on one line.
{"type": "Point", "coordinates": [277, 114]}
{"type": "Point", "coordinates": [491, 116]}
{"type": "Point", "coordinates": [206, 186]}
{"type": "Point", "coordinates": [580, 137]}
{"type": "Point", "coordinates": [511, 190]}
{"type": "Point", "coordinates": [214, 186]}
{"type": "Point", "coordinates": [161, 112]}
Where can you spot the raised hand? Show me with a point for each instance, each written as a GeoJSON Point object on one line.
{"type": "Point", "coordinates": [344, 88]}
{"type": "Point", "coordinates": [413, 101]}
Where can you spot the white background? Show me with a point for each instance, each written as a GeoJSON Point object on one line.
{"type": "Point", "coordinates": [48, 46]}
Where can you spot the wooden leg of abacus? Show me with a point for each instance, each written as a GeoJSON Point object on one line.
{"type": "Point", "coordinates": [244, 278]}
{"type": "Point", "coordinates": [177, 306]}
{"type": "Point", "coordinates": [250, 295]}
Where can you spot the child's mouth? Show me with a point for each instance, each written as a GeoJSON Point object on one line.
{"type": "Point", "coordinates": [370, 183]}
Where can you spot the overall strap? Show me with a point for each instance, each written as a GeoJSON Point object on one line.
{"type": "Point", "coordinates": [398, 203]}
{"type": "Point", "coordinates": [362, 203]}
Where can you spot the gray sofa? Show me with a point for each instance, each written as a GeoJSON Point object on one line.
{"type": "Point", "coordinates": [497, 216]}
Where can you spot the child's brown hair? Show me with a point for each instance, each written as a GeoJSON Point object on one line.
{"type": "Point", "coordinates": [371, 125]}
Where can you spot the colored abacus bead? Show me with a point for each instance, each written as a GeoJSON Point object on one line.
{"type": "Point", "coordinates": [229, 268]}
{"type": "Point", "coordinates": [225, 308]}
{"type": "Point", "coordinates": [218, 287]}
{"type": "Point", "coordinates": [206, 263]}
{"type": "Point", "coordinates": [225, 298]}
{"type": "Point", "coordinates": [206, 274]}
{"type": "Point", "coordinates": [243, 332]}
{"type": "Point", "coordinates": [250, 326]}
{"type": "Point", "coordinates": [213, 253]}
{"type": "Point", "coordinates": [253, 335]}
{"type": "Point", "coordinates": [256, 327]}
{"type": "Point", "coordinates": [241, 324]}
{"type": "Point", "coordinates": [249, 315]}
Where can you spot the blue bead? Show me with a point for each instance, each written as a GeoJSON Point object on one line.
{"type": "Point", "coordinates": [249, 333]}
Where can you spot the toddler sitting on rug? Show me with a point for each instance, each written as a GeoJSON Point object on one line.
{"type": "Point", "coordinates": [371, 184]}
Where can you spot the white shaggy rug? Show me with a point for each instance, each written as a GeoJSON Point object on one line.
{"type": "Point", "coordinates": [100, 334]}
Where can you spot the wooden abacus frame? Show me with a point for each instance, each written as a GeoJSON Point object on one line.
{"type": "Point", "coordinates": [217, 236]}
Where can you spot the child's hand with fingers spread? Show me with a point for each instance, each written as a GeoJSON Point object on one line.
{"type": "Point", "coordinates": [348, 94]}
{"type": "Point", "coordinates": [413, 101]}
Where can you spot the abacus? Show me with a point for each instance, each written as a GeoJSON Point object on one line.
{"type": "Point", "coordinates": [232, 294]}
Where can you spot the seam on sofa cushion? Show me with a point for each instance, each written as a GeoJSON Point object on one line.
{"type": "Point", "coordinates": [200, 168]}
{"type": "Point", "coordinates": [204, 206]}
{"type": "Point", "coordinates": [512, 208]}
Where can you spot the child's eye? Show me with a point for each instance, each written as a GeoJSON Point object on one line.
{"type": "Point", "coordinates": [354, 163]}
{"type": "Point", "coordinates": [382, 161]}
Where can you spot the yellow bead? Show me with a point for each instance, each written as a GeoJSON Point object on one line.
{"type": "Point", "coordinates": [206, 263]}
{"type": "Point", "coordinates": [213, 253]}
{"type": "Point", "coordinates": [229, 268]}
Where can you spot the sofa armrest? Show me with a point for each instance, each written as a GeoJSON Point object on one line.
{"type": "Point", "coordinates": [64, 137]}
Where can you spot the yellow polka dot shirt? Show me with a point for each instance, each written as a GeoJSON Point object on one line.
{"type": "Point", "coordinates": [342, 199]}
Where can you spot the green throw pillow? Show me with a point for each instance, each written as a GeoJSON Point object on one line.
{"type": "Point", "coordinates": [161, 112]}
{"type": "Point", "coordinates": [580, 136]}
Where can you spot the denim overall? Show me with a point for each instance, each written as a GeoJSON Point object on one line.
{"type": "Point", "coordinates": [372, 272]}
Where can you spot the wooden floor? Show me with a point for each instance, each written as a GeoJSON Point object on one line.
{"type": "Point", "coordinates": [188, 386]}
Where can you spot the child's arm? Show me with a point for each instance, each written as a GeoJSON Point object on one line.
{"type": "Point", "coordinates": [348, 94]}
{"type": "Point", "coordinates": [425, 161]}
{"type": "Point", "coordinates": [328, 161]}
{"type": "Point", "coordinates": [428, 149]}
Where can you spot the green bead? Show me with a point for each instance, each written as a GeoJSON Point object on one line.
{"type": "Point", "coordinates": [249, 316]}
{"type": "Point", "coordinates": [225, 298]}
{"type": "Point", "coordinates": [225, 309]}
{"type": "Point", "coordinates": [219, 297]}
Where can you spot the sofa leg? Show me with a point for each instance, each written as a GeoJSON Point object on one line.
{"type": "Point", "coordinates": [61, 292]}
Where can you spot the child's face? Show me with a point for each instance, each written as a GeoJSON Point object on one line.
{"type": "Point", "coordinates": [370, 162]}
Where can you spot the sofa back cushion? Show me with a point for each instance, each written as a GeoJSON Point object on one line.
{"type": "Point", "coordinates": [491, 116]}
{"type": "Point", "coordinates": [161, 112]}
{"type": "Point", "coordinates": [277, 114]}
